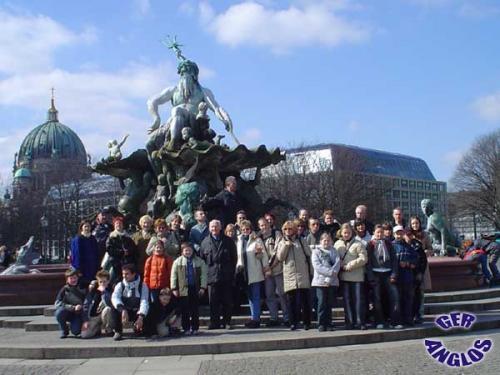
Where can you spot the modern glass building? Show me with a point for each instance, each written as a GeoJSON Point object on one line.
{"type": "Point", "coordinates": [405, 180]}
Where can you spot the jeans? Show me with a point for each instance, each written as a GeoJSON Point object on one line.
{"type": "Point", "coordinates": [299, 301]}
{"type": "Point", "coordinates": [189, 310]}
{"type": "Point", "coordinates": [406, 298]}
{"type": "Point", "coordinates": [493, 259]}
{"type": "Point", "coordinates": [325, 297]}
{"type": "Point", "coordinates": [354, 303]}
{"type": "Point", "coordinates": [220, 297]}
{"type": "Point", "coordinates": [383, 285]}
{"type": "Point", "coordinates": [254, 300]}
{"type": "Point", "coordinates": [74, 318]}
{"type": "Point", "coordinates": [275, 293]}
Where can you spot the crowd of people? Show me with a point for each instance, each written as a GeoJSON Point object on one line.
{"type": "Point", "coordinates": [155, 278]}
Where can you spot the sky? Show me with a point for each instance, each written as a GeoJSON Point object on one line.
{"type": "Point", "coordinates": [417, 77]}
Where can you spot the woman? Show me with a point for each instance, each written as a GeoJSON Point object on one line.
{"type": "Point", "coordinates": [120, 249]}
{"type": "Point", "coordinates": [230, 231]}
{"type": "Point", "coordinates": [141, 239]}
{"type": "Point", "coordinates": [295, 255]}
{"type": "Point", "coordinates": [85, 253]}
{"type": "Point", "coordinates": [253, 263]}
{"type": "Point", "coordinates": [353, 258]}
{"type": "Point", "coordinates": [326, 264]}
{"type": "Point", "coordinates": [421, 235]}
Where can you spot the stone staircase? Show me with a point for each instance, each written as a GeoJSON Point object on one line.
{"type": "Point", "coordinates": [29, 332]}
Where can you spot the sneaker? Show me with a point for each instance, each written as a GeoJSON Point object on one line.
{"type": "Point", "coordinates": [252, 324]}
{"type": "Point", "coordinates": [117, 336]}
{"type": "Point", "coordinates": [321, 328]}
{"type": "Point", "coordinates": [307, 327]}
{"type": "Point", "coordinates": [63, 335]}
{"type": "Point", "coordinates": [293, 327]}
{"type": "Point", "coordinates": [194, 332]}
{"type": "Point", "coordinates": [380, 326]}
{"type": "Point", "coordinates": [363, 327]}
{"type": "Point", "coordinates": [399, 326]}
{"type": "Point", "coordinates": [228, 327]}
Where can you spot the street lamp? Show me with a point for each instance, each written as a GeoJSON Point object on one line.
{"type": "Point", "coordinates": [44, 222]}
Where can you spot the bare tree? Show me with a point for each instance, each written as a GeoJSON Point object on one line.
{"type": "Point", "coordinates": [477, 179]}
{"type": "Point", "coordinates": [320, 180]}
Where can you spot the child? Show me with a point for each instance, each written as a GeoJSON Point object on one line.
{"type": "Point", "coordinates": [407, 258]}
{"type": "Point", "coordinates": [326, 264]}
{"type": "Point", "coordinates": [69, 304]}
{"type": "Point", "coordinates": [388, 235]}
{"type": "Point", "coordinates": [189, 282]}
{"type": "Point", "coordinates": [382, 273]}
{"type": "Point", "coordinates": [164, 318]}
{"type": "Point", "coordinates": [419, 271]}
{"type": "Point", "coordinates": [97, 308]}
{"type": "Point", "coordinates": [157, 271]}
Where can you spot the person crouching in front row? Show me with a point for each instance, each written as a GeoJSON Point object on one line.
{"type": "Point", "coordinates": [189, 283]}
{"type": "Point", "coordinates": [164, 318]}
{"type": "Point", "coordinates": [98, 308]}
{"type": "Point", "coordinates": [69, 304]}
{"type": "Point", "coordinates": [130, 300]}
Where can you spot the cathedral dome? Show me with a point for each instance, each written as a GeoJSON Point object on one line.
{"type": "Point", "coordinates": [52, 140]}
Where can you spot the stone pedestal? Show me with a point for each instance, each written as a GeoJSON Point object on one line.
{"type": "Point", "coordinates": [454, 274]}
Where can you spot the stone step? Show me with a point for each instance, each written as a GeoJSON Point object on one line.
{"type": "Point", "coordinates": [39, 345]}
{"type": "Point", "coordinates": [22, 310]}
{"type": "Point", "coordinates": [462, 295]}
{"type": "Point", "coordinates": [16, 321]}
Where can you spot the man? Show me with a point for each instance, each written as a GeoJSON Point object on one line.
{"type": "Point", "coordinates": [130, 301]}
{"type": "Point", "coordinates": [102, 230]}
{"type": "Point", "coordinates": [314, 233]}
{"type": "Point", "coordinates": [199, 231]}
{"type": "Point", "coordinates": [227, 202]}
{"type": "Point", "coordinates": [304, 216]}
{"type": "Point", "coordinates": [398, 217]}
{"type": "Point", "coordinates": [241, 216]}
{"type": "Point", "coordinates": [219, 252]}
{"type": "Point", "coordinates": [185, 98]}
{"type": "Point", "coordinates": [361, 215]}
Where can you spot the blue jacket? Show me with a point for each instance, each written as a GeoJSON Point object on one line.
{"type": "Point", "coordinates": [85, 256]}
{"type": "Point", "coordinates": [405, 253]}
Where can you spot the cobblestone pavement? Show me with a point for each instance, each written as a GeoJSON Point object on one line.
{"type": "Point", "coordinates": [403, 357]}
{"type": "Point", "coordinates": [406, 357]}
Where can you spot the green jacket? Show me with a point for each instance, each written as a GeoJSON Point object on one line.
{"type": "Point", "coordinates": [178, 277]}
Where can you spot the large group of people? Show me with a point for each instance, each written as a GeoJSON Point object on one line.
{"type": "Point", "coordinates": [156, 277]}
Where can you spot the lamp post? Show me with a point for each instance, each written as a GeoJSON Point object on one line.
{"type": "Point", "coordinates": [44, 222]}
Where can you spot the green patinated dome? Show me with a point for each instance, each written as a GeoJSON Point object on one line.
{"type": "Point", "coordinates": [23, 172]}
{"type": "Point", "coordinates": [52, 140]}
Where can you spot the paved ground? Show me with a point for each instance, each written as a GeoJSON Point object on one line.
{"type": "Point", "coordinates": [404, 357]}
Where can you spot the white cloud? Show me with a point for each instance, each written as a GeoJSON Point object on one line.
{"type": "Point", "coordinates": [306, 23]}
{"type": "Point", "coordinates": [488, 107]}
{"type": "Point", "coordinates": [28, 42]}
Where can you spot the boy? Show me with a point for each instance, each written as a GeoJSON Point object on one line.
{"type": "Point", "coordinates": [189, 282]}
{"type": "Point", "coordinates": [199, 231]}
{"type": "Point", "coordinates": [407, 258]}
{"type": "Point", "coordinates": [69, 304]}
{"type": "Point", "coordinates": [97, 308]}
{"type": "Point", "coordinates": [419, 271]}
{"type": "Point", "coordinates": [164, 319]}
{"type": "Point", "coordinates": [157, 271]}
{"type": "Point", "coordinates": [130, 301]}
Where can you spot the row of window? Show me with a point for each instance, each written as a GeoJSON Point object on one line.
{"type": "Point", "coordinates": [419, 185]}
{"type": "Point", "coordinates": [413, 195]}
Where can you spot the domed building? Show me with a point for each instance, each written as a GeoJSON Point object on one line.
{"type": "Point", "coordinates": [50, 154]}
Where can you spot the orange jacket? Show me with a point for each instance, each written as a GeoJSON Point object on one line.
{"type": "Point", "coordinates": [157, 271]}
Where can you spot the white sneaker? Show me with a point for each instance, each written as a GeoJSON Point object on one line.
{"type": "Point", "coordinates": [380, 326]}
{"type": "Point", "coordinates": [399, 326]}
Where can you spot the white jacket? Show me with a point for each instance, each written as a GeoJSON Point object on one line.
{"type": "Point", "coordinates": [255, 263]}
{"type": "Point", "coordinates": [326, 264]}
{"type": "Point", "coordinates": [124, 288]}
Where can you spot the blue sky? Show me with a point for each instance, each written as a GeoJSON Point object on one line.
{"type": "Point", "coordinates": [418, 77]}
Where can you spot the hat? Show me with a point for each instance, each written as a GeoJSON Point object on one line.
{"type": "Point", "coordinates": [397, 228]}
{"type": "Point", "coordinates": [72, 271]}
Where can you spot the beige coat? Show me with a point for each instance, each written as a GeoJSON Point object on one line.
{"type": "Point", "coordinates": [256, 263]}
{"type": "Point", "coordinates": [271, 245]}
{"type": "Point", "coordinates": [354, 260]}
{"type": "Point", "coordinates": [296, 272]}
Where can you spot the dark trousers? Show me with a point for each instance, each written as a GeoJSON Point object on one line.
{"type": "Point", "coordinates": [117, 318]}
{"type": "Point", "coordinates": [220, 297]}
{"type": "Point", "coordinates": [417, 299]}
{"type": "Point", "coordinates": [189, 310]}
{"type": "Point", "coordinates": [325, 297]}
{"type": "Point", "coordinates": [299, 300]}
{"type": "Point", "coordinates": [74, 319]}
{"type": "Point", "coordinates": [354, 303]}
{"type": "Point", "coordinates": [154, 295]}
{"type": "Point", "coordinates": [406, 297]}
{"type": "Point", "coordinates": [382, 284]}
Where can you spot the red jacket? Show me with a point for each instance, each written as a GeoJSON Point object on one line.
{"type": "Point", "coordinates": [157, 271]}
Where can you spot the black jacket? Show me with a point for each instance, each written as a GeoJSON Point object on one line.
{"type": "Point", "coordinates": [373, 261]}
{"type": "Point", "coordinates": [92, 304]}
{"type": "Point", "coordinates": [221, 257]}
{"type": "Point", "coordinates": [226, 205]}
{"type": "Point", "coordinates": [70, 296]}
